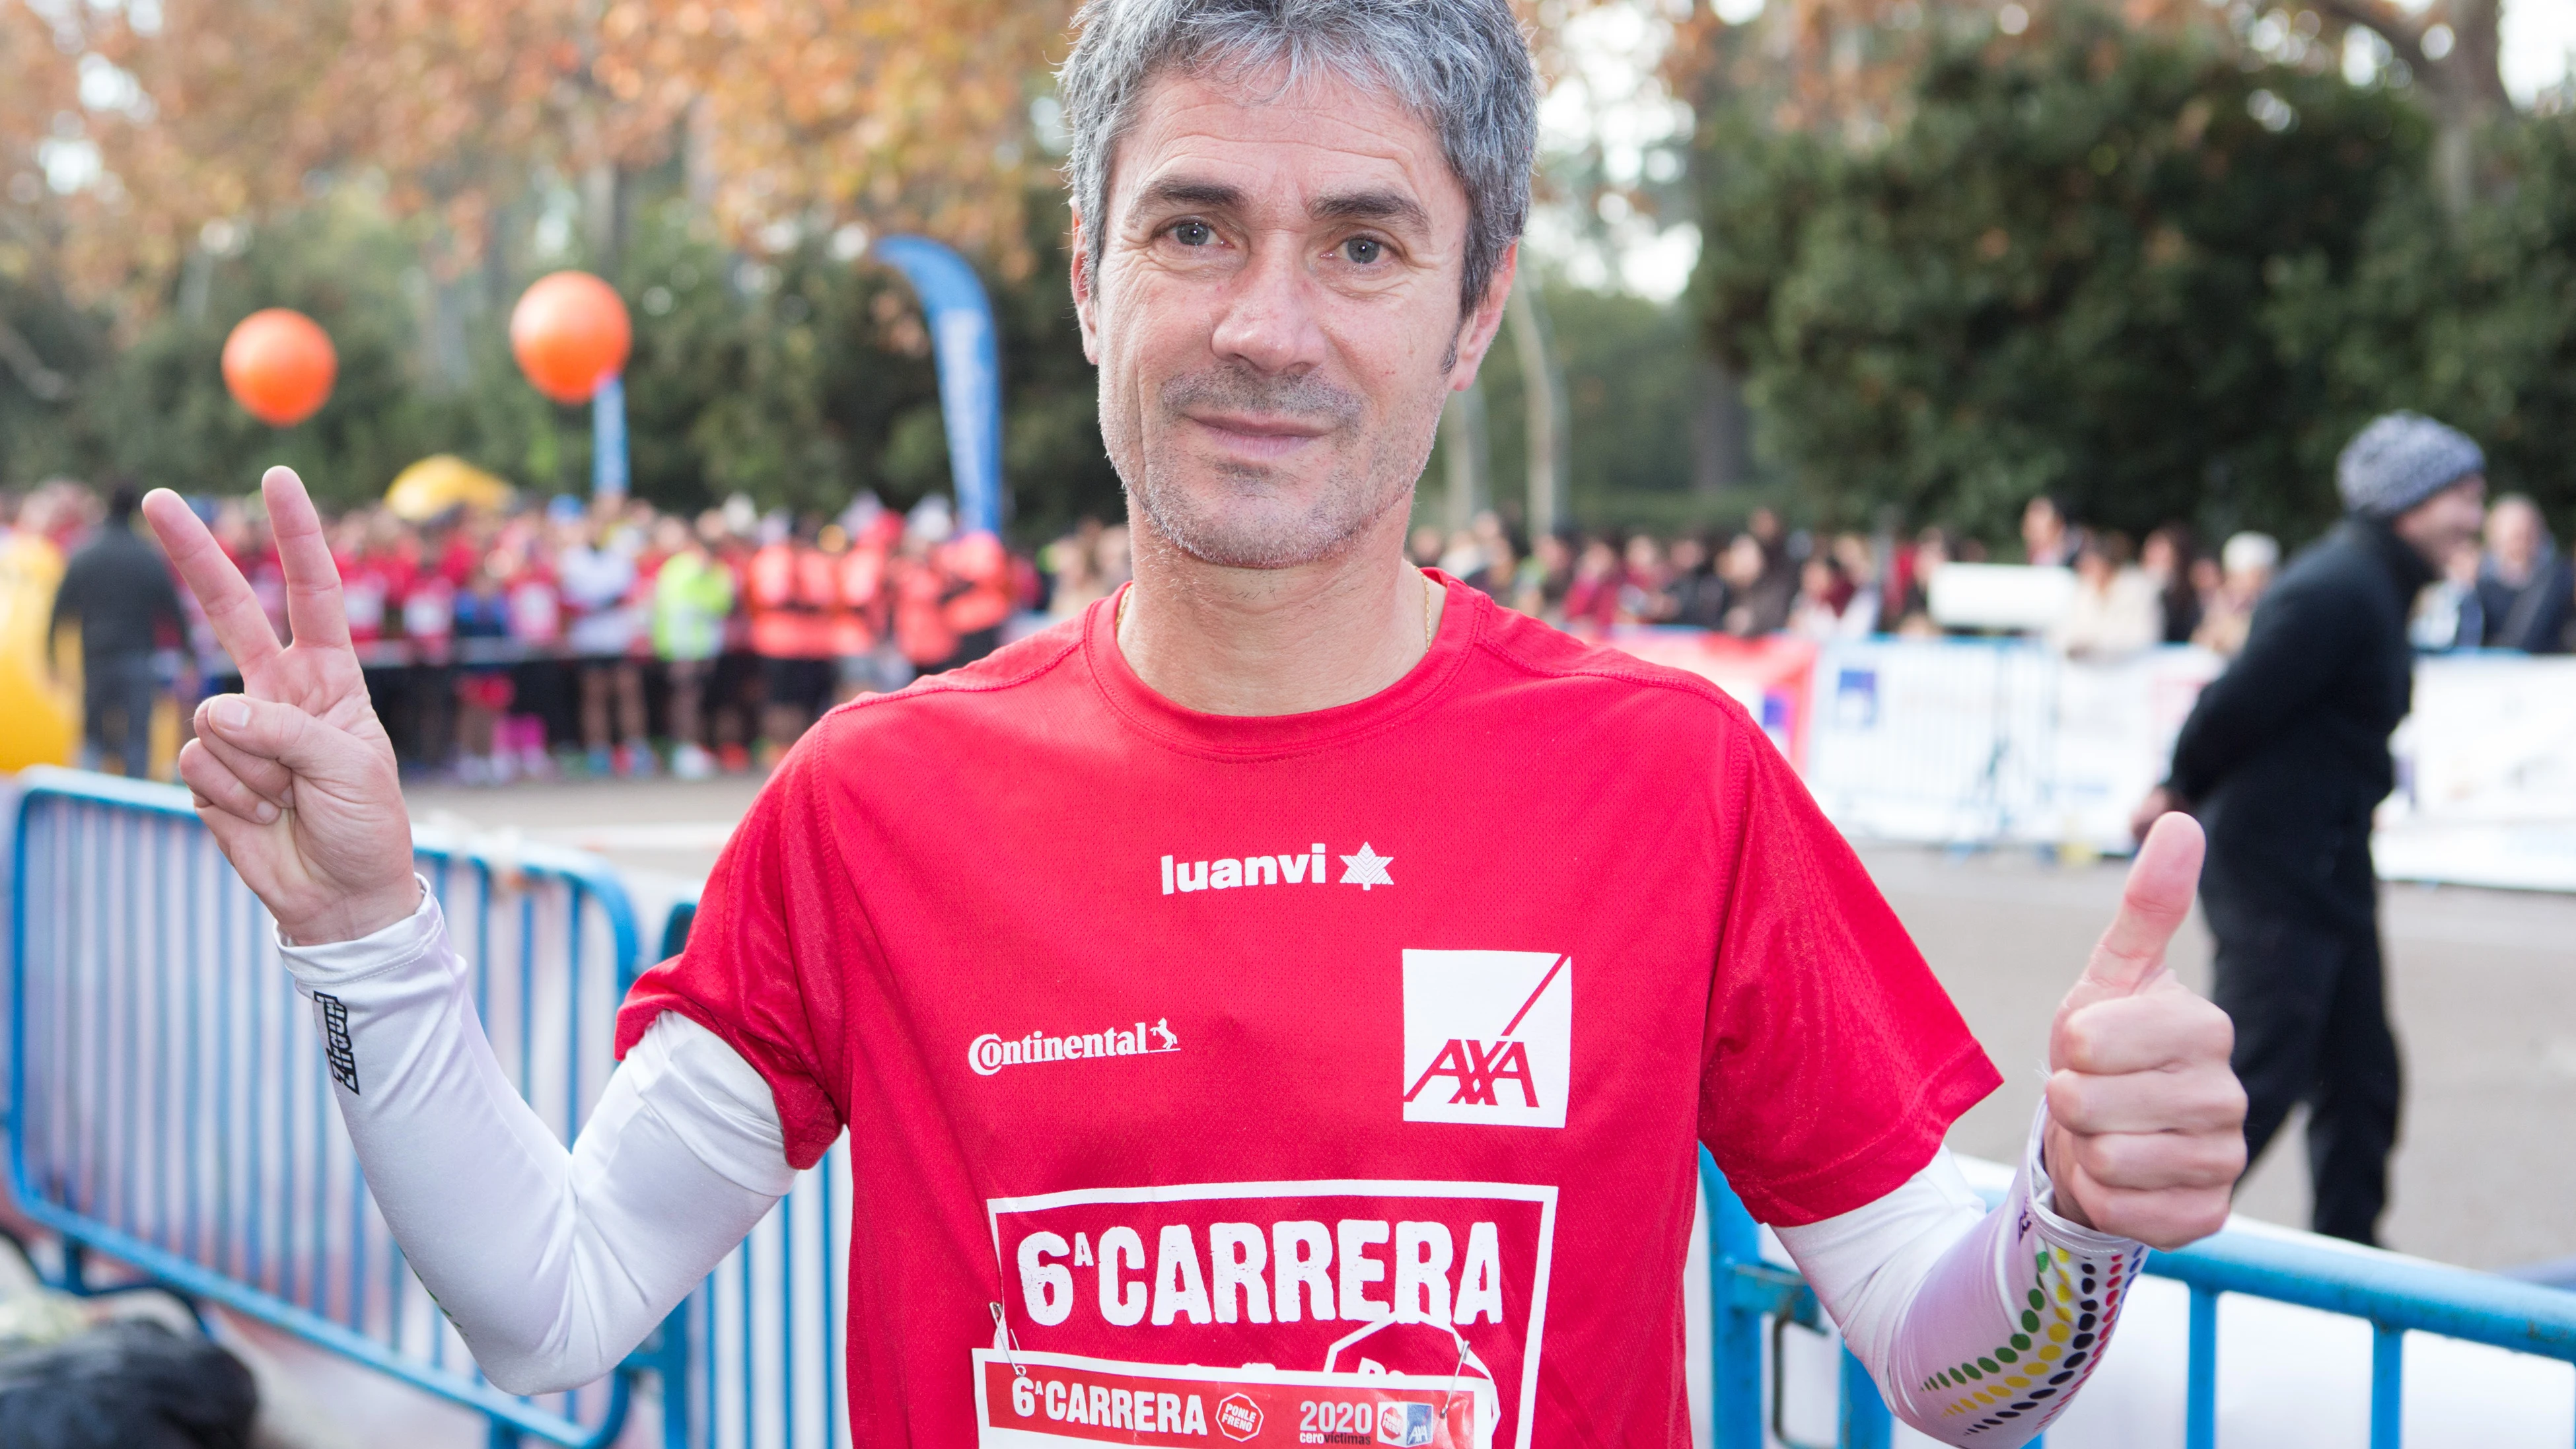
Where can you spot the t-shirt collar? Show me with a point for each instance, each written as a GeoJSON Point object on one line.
{"type": "Point", "coordinates": [1462, 619]}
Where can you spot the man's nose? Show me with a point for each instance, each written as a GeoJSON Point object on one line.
{"type": "Point", "coordinates": [1269, 318]}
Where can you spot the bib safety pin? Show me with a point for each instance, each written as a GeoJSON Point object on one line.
{"type": "Point", "coordinates": [1006, 1341]}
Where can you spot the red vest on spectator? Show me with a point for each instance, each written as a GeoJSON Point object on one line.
{"type": "Point", "coordinates": [785, 620]}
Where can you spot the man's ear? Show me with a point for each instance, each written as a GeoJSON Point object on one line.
{"type": "Point", "coordinates": [1085, 291]}
{"type": "Point", "coordinates": [1477, 330]}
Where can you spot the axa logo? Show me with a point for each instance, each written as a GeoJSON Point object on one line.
{"type": "Point", "coordinates": [1365, 869]}
{"type": "Point", "coordinates": [1488, 1037]}
{"type": "Point", "coordinates": [989, 1053]}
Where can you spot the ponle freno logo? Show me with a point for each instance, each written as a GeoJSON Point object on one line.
{"type": "Point", "coordinates": [991, 1052]}
{"type": "Point", "coordinates": [1238, 1417]}
{"type": "Point", "coordinates": [1364, 868]}
{"type": "Point", "coordinates": [1488, 1037]}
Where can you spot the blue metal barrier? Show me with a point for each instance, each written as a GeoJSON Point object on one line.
{"type": "Point", "coordinates": [169, 1107]}
{"type": "Point", "coordinates": [2395, 1296]}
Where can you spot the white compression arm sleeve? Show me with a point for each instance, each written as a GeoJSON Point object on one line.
{"type": "Point", "coordinates": [1978, 1326]}
{"type": "Point", "coordinates": [553, 1264]}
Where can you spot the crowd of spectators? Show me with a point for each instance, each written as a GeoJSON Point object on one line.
{"type": "Point", "coordinates": [565, 640]}
{"type": "Point", "coordinates": [1766, 578]}
{"type": "Point", "coordinates": [2516, 592]}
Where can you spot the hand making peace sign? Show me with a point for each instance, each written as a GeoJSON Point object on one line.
{"type": "Point", "coordinates": [294, 775]}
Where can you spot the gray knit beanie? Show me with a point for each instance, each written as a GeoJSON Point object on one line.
{"type": "Point", "coordinates": [2400, 460]}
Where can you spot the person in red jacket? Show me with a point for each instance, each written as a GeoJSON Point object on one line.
{"type": "Point", "coordinates": [792, 591]}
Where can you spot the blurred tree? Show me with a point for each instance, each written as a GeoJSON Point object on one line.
{"type": "Point", "coordinates": [402, 168]}
{"type": "Point", "coordinates": [2469, 318]}
{"type": "Point", "coordinates": [1848, 68]}
{"type": "Point", "coordinates": [2456, 49]}
{"type": "Point", "coordinates": [48, 349]}
{"type": "Point", "coordinates": [1845, 67]}
{"type": "Point", "coordinates": [1629, 367]}
{"type": "Point", "coordinates": [2052, 277]}
{"type": "Point", "coordinates": [790, 117]}
{"type": "Point", "coordinates": [156, 411]}
{"type": "Point", "coordinates": [903, 114]}
{"type": "Point", "coordinates": [798, 378]}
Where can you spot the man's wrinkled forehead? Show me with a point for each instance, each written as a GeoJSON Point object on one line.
{"type": "Point", "coordinates": [1240, 137]}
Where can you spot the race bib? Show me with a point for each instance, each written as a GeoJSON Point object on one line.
{"type": "Point", "coordinates": [1054, 1399]}
{"type": "Point", "coordinates": [1334, 1312]}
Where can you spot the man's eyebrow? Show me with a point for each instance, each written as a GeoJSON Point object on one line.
{"type": "Point", "coordinates": [1386, 206]}
{"type": "Point", "coordinates": [1182, 191]}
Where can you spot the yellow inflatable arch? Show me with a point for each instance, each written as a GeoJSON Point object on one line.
{"type": "Point", "coordinates": [39, 717]}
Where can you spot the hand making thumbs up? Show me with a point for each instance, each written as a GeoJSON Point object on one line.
{"type": "Point", "coordinates": [2146, 1130]}
{"type": "Point", "coordinates": [294, 775]}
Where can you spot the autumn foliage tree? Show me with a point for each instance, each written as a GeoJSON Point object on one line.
{"type": "Point", "coordinates": [400, 168]}
{"type": "Point", "coordinates": [1845, 67]}
{"type": "Point", "coordinates": [897, 113]}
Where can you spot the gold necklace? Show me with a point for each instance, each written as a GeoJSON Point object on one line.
{"type": "Point", "coordinates": [1430, 628]}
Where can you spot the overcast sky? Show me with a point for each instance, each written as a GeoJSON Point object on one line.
{"type": "Point", "coordinates": [2538, 35]}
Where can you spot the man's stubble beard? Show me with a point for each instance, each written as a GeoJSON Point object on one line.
{"type": "Point", "coordinates": [1249, 520]}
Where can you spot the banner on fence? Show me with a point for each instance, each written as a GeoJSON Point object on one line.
{"type": "Point", "coordinates": [2004, 742]}
{"type": "Point", "coordinates": [1934, 741]}
{"type": "Point", "coordinates": [1771, 677]}
{"type": "Point", "coordinates": [2486, 770]}
{"type": "Point", "coordinates": [2116, 723]}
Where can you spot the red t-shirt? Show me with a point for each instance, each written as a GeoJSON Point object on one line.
{"type": "Point", "coordinates": [1364, 1049]}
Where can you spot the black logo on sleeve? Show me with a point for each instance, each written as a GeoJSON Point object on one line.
{"type": "Point", "coordinates": [335, 1040]}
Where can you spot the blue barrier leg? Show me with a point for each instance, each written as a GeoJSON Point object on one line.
{"type": "Point", "coordinates": [2200, 1405]}
{"type": "Point", "coordinates": [667, 1357]}
{"type": "Point", "coordinates": [1736, 1330]}
{"type": "Point", "coordinates": [1866, 1422]}
{"type": "Point", "coordinates": [2387, 1385]}
{"type": "Point", "coordinates": [504, 1436]}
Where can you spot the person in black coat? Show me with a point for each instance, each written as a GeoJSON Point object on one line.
{"type": "Point", "coordinates": [118, 589]}
{"type": "Point", "coordinates": [2283, 759]}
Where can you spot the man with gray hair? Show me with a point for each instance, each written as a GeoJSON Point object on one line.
{"type": "Point", "coordinates": [2283, 759]}
{"type": "Point", "coordinates": [1276, 1109]}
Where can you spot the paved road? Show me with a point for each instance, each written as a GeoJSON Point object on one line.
{"type": "Point", "coordinates": [2483, 985]}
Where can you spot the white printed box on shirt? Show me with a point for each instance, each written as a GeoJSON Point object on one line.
{"type": "Point", "coordinates": [1488, 1037]}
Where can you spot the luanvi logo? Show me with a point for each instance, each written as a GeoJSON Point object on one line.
{"type": "Point", "coordinates": [335, 1040]}
{"type": "Point", "coordinates": [990, 1053]}
{"type": "Point", "coordinates": [1364, 868]}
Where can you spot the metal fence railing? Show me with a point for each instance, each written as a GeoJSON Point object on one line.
{"type": "Point", "coordinates": [1953, 742]}
{"type": "Point", "coordinates": [2395, 1296]}
{"type": "Point", "coordinates": [170, 1107]}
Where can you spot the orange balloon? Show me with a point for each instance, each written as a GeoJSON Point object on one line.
{"type": "Point", "coordinates": [570, 334]}
{"type": "Point", "coordinates": [279, 365]}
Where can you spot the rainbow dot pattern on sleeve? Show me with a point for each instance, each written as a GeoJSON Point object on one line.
{"type": "Point", "coordinates": [2065, 1327]}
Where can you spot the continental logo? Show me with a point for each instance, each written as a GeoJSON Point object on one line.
{"type": "Point", "coordinates": [991, 1052]}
